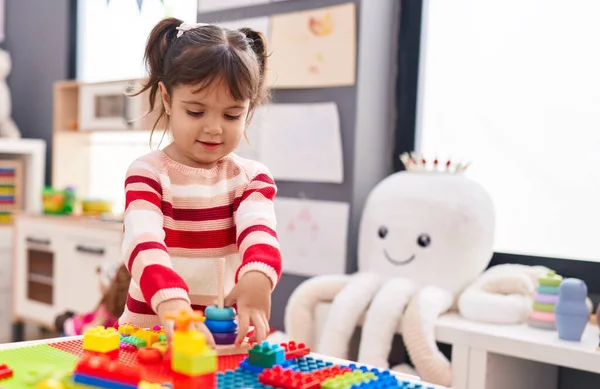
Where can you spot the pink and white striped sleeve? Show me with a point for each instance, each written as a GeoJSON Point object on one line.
{"type": "Point", "coordinates": [256, 227]}
{"type": "Point", "coordinates": [144, 250]}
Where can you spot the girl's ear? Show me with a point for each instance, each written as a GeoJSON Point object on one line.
{"type": "Point", "coordinates": [166, 99]}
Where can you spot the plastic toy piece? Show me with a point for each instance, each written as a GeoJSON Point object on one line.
{"type": "Point", "coordinates": [5, 372]}
{"type": "Point", "coordinates": [225, 326]}
{"type": "Point", "coordinates": [280, 377]}
{"type": "Point", "coordinates": [102, 340]}
{"type": "Point", "coordinates": [571, 311]}
{"type": "Point", "coordinates": [148, 336]}
{"type": "Point", "coordinates": [191, 342]}
{"type": "Point", "coordinates": [206, 381]}
{"type": "Point", "coordinates": [224, 338]}
{"type": "Point", "coordinates": [101, 382]}
{"type": "Point", "coordinates": [213, 312]}
{"type": "Point", "coordinates": [194, 365]}
{"type": "Point", "coordinates": [135, 341]}
{"type": "Point", "coordinates": [295, 350]}
{"type": "Point", "coordinates": [101, 367]}
{"type": "Point", "coordinates": [149, 355]}
{"type": "Point", "coordinates": [348, 380]}
{"type": "Point", "coordinates": [50, 383]}
{"type": "Point", "coordinates": [266, 355]}
{"type": "Point", "coordinates": [184, 318]}
{"type": "Point", "coordinates": [149, 385]}
{"type": "Point", "coordinates": [127, 329]}
{"type": "Point", "coordinates": [162, 347]}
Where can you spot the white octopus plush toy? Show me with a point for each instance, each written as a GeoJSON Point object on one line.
{"type": "Point", "coordinates": [425, 234]}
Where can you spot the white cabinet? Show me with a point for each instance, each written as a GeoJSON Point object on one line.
{"type": "Point", "coordinates": [56, 261]}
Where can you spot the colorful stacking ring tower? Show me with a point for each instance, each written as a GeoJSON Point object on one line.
{"type": "Point", "coordinates": [221, 323]}
{"type": "Point", "coordinates": [545, 299]}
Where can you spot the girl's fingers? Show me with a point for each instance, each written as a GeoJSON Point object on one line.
{"type": "Point", "coordinates": [243, 327]}
{"type": "Point", "coordinates": [169, 328]}
{"type": "Point", "coordinates": [260, 326]}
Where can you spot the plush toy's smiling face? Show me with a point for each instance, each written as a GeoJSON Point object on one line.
{"type": "Point", "coordinates": [436, 229]}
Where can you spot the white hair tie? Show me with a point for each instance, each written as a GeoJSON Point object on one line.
{"type": "Point", "coordinates": [183, 27]}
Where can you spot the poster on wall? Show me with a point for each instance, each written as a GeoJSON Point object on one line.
{"type": "Point", "coordinates": [314, 48]}
{"type": "Point", "coordinates": [298, 142]}
{"type": "Point", "coordinates": [313, 235]}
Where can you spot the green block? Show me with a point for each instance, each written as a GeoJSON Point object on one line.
{"type": "Point", "coordinates": [194, 365]}
{"type": "Point", "coordinates": [137, 342]}
{"type": "Point", "coordinates": [162, 338]}
{"type": "Point", "coordinates": [347, 380]}
{"type": "Point", "coordinates": [266, 355]}
{"type": "Point", "coordinates": [31, 364]}
{"type": "Point", "coordinates": [542, 307]}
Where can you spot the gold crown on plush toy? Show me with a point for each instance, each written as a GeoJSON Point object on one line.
{"type": "Point", "coordinates": [417, 163]}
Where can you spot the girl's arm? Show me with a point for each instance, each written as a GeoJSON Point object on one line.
{"type": "Point", "coordinates": [144, 250]}
{"type": "Point", "coordinates": [255, 224]}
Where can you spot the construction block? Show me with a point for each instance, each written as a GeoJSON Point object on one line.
{"type": "Point", "coordinates": [206, 381]}
{"type": "Point", "coordinates": [100, 366]}
{"type": "Point", "coordinates": [101, 382]}
{"type": "Point", "coordinates": [5, 372]}
{"type": "Point", "coordinates": [148, 336]}
{"type": "Point", "coordinates": [127, 329]}
{"type": "Point", "coordinates": [347, 380]}
{"type": "Point", "coordinates": [149, 356]}
{"type": "Point", "coordinates": [183, 319]}
{"type": "Point", "coordinates": [266, 355]}
{"type": "Point", "coordinates": [194, 365]}
{"type": "Point", "coordinates": [161, 346]}
{"type": "Point", "coordinates": [191, 342]}
{"type": "Point", "coordinates": [295, 350]}
{"type": "Point", "coordinates": [149, 385]}
{"type": "Point", "coordinates": [135, 341]}
{"type": "Point", "coordinates": [102, 340]}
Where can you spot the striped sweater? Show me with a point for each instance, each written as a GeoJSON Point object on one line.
{"type": "Point", "coordinates": [179, 220]}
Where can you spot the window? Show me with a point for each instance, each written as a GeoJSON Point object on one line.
{"type": "Point", "coordinates": [112, 35]}
{"type": "Point", "coordinates": [514, 87]}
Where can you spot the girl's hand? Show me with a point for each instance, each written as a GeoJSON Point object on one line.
{"type": "Point", "coordinates": [252, 295]}
{"type": "Point", "coordinates": [175, 307]}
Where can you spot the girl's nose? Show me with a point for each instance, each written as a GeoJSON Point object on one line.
{"type": "Point", "coordinates": [212, 128]}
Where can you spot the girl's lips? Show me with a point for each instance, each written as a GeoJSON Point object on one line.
{"type": "Point", "coordinates": [209, 146]}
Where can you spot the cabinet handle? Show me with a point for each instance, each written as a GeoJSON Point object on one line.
{"type": "Point", "coordinates": [90, 250]}
{"type": "Point", "coordinates": [44, 242]}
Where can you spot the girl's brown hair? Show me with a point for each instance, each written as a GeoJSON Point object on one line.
{"type": "Point", "coordinates": [203, 55]}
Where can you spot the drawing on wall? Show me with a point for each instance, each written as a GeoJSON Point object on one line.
{"type": "Point", "coordinates": [313, 235]}
{"type": "Point", "coordinates": [298, 142]}
{"type": "Point", "coordinates": [260, 24]}
{"type": "Point", "coordinates": [314, 48]}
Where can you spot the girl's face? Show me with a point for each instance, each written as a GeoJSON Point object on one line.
{"type": "Point", "coordinates": [205, 126]}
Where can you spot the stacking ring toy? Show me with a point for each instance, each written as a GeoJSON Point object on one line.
{"type": "Point", "coordinates": [221, 326]}
{"type": "Point", "coordinates": [219, 314]}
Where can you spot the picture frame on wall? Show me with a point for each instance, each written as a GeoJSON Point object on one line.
{"type": "Point", "coordinates": [106, 106]}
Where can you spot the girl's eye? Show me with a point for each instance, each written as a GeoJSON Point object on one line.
{"type": "Point", "coordinates": [232, 117]}
{"type": "Point", "coordinates": [194, 113]}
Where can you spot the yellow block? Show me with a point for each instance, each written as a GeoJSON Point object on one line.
{"type": "Point", "coordinates": [102, 340]}
{"type": "Point", "coordinates": [149, 336]}
{"type": "Point", "coordinates": [194, 365]}
{"type": "Point", "coordinates": [191, 342]}
{"type": "Point", "coordinates": [126, 329]}
{"type": "Point", "coordinates": [149, 385]}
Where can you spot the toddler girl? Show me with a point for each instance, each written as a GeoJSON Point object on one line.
{"type": "Point", "coordinates": [195, 201]}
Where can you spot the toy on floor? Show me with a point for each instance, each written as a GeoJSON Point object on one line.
{"type": "Point", "coordinates": [425, 234]}
{"type": "Point", "coordinates": [114, 283]}
{"type": "Point", "coordinates": [542, 316]}
{"type": "Point", "coordinates": [572, 313]}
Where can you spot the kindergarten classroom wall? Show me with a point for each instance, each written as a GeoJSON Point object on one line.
{"type": "Point", "coordinates": [365, 112]}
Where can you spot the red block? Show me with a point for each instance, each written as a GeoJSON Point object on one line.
{"type": "Point", "coordinates": [5, 372]}
{"type": "Point", "coordinates": [206, 381]}
{"type": "Point", "coordinates": [103, 367]}
{"type": "Point", "coordinates": [295, 350]}
{"type": "Point", "coordinates": [287, 379]}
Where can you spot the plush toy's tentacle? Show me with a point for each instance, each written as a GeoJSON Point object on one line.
{"type": "Point", "coordinates": [299, 312]}
{"type": "Point", "coordinates": [347, 308]}
{"type": "Point", "coordinates": [479, 305]}
{"type": "Point", "coordinates": [383, 320]}
{"type": "Point", "coordinates": [418, 331]}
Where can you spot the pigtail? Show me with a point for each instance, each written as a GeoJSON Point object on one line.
{"type": "Point", "coordinates": [258, 44]}
{"type": "Point", "coordinates": [161, 38]}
